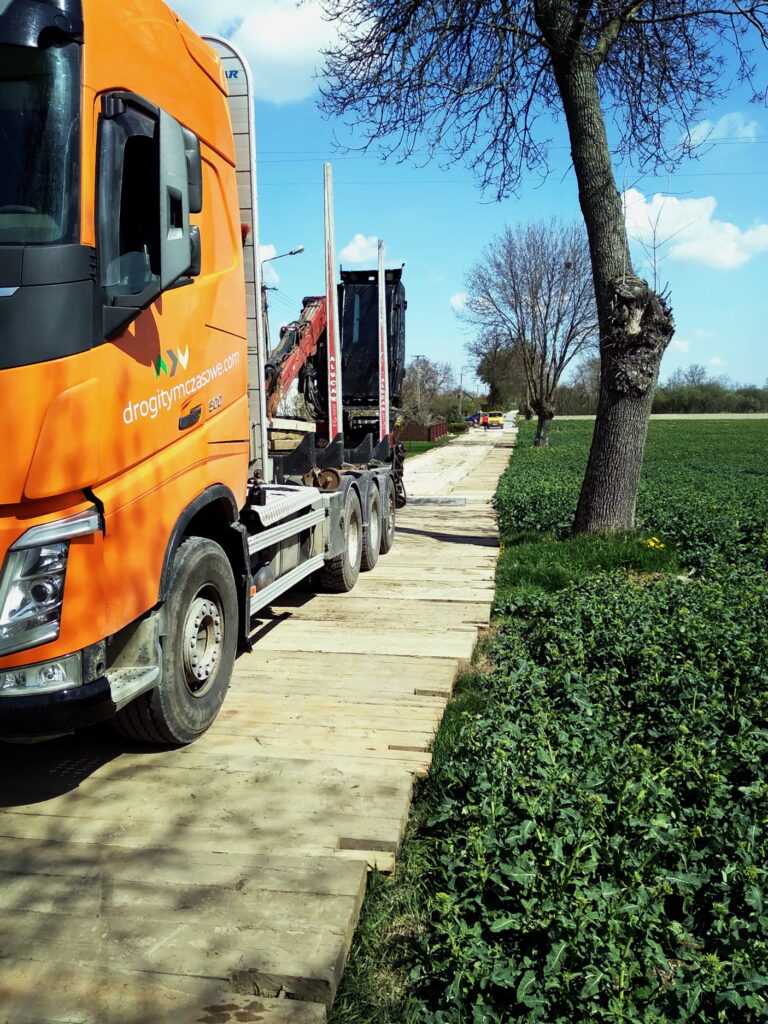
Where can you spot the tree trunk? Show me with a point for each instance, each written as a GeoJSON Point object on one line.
{"type": "Point", "coordinates": [542, 431]}
{"type": "Point", "coordinates": [636, 325]}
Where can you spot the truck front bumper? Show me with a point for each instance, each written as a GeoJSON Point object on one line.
{"type": "Point", "coordinates": [37, 715]}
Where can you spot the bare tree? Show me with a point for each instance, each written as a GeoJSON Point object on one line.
{"type": "Point", "coordinates": [479, 79]}
{"type": "Point", "coordinates": [499, 366]}
{"type": "Point", "coordinates": [690, 377]}
{"type": "Point", "coordinates": [424, 382]}
{"type": "Point", "coordinates": [586, 377]}
{"type": "Point", "coordinates": [578, 395]}
{"type": "Point", "coordinates": [533, 288]}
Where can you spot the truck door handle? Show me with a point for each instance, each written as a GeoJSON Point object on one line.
{"type": "Point", "coordinates": [192, 417]}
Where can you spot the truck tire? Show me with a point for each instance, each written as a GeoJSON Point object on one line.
{"type": "Point", "coordinates": [340, 574]}
{"type": "Point", "coordinates": [198, 652]}
{"type": "Point", "coordinates": [371, 530]}
{"type": "Point", "coordinates": [388, 530]}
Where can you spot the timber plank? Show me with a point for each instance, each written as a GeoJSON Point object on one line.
{"type": "Point", "coordinates": [309, 840]}
{"type": "Point", "coordinates": [415, 589]}
{"type": "Point", "coordinates": [139, 886]}
{"type": "Point", "coordinates": [34, 991]}
{"type": "Point", "coordinates": [224, 806]}
{"type": "Point", "coordinates": [359, 610]}
{"type": "Point", "coordinates": [168, 866]}
{"type": "Point", "coordinates": [302, 964]}
{"type": "Point", "coordinates": [386, 667]}
{"type": "Point", "coordinates": [327, 715]}
{"type": "Point", "coordinates": [309, 636]}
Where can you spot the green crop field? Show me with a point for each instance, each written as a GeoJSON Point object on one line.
{"type": "Point", "coordinates": [704, 485]}
{"type": "Point", "coordinates": [592, 843]}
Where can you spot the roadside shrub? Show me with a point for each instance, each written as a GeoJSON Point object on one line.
{"type": "Point", "coordinates": [600, 849]}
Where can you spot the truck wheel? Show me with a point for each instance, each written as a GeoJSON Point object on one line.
{"type": "Point", "coordinates": [371, 530]}
{"type": "Point", "coordinates": [388, 532]}
{"type": "Point", "coordinates": [340, 574]}
{"type": "Point", "coordinates": [198, 652]}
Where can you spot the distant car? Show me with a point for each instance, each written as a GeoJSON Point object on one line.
{"type": "Point", "coordinates": [496, 419]}
{"type": "Point", "coordinates": [474, 419]}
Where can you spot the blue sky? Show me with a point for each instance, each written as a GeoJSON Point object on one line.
{"type": "Point", "coordinates": [710, 217]}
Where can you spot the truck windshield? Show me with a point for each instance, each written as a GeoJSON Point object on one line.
{"type": "Point", "coordinates": [39, 144]}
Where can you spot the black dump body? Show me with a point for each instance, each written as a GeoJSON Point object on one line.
{"type": "Point", "coordinates": [359, 326]}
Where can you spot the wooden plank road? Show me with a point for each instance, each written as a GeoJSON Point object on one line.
{"type": "Point", "coordinates": [222, 882]}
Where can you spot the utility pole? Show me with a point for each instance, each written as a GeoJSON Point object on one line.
{"type": "Point", "coordinates": [462, 371]}
{"type": "Point", "coordinates": [417, 366]}
{"type": "Point", "coordinates": [265, 288]}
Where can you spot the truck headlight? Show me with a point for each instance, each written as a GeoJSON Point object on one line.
{"type": "Point", "coordinates": [32, 581]}
{"type": "Point", "coordinates": [60, 674]}
{"type": "Point", "coordinates": [31, 592]}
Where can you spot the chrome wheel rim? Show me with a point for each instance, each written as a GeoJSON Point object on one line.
{"type": "Point", "coordinates": [374, 528]}
{"type": "Point", "coordinates": [353, 539]}
{"type": "Point", "coordinates": [203, 641]}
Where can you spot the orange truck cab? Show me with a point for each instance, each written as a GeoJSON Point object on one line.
{"type": "Point", "coordinates": [139, 526]}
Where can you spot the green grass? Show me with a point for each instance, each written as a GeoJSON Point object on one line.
{"type": "Point", "coordinates": [704, 486]}
{"type": "Point", "coordinates": [419, 447]}
{"type": "Point", "coordinates": [591, 842]}
{"type": "Point", "coordinates": [532, 562]}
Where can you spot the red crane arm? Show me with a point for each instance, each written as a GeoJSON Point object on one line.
{"type": "Point", "coordinates": [298, 343]}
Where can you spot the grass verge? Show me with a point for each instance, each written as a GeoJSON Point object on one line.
{"type": "Point", "coordinates": [419, 447]}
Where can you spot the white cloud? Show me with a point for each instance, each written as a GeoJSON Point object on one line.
{"type": "Point", "coordinates": [687, 230]}
{"type": "Point", "coordinates": [680, 345]}
{"type": "Point", "coordinates": [281, 39]}
{"type": "Point", "coordinates": [716, 362]}
{"type": "Point", "coordinates": [362, 249]}
{"type": "Point", "coordinates": [269, 275]}
{"type": "Point", "coordinates": [458, 301]}
{"type": "Point", "coordinates": [729, 126]}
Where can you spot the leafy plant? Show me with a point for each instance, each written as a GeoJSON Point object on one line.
{"type": "Point", "coordinates": [599, 827]}
{"type": "Point", "coordinates": [591, 843]}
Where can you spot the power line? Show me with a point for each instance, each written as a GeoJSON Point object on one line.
{"type": "Point", "coordinates": [302, 155]}
{"type": "Point", "coordinates": [409, 183]}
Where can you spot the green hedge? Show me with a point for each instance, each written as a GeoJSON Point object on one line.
{"type": "Point", "coordinates": [596, 826]}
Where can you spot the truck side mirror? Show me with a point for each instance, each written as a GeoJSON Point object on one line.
{"type": "Point", "coordinates": [150, 179]}
{"type": "Point", "coordinates": [194, 171]}
{"type": "Point", "coordinates": [197, 251]}
{"type": "Point", "coordinates": [175, 247]}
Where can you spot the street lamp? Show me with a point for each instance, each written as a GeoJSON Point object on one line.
{"type": "Point", "coordinates": [463, 370]}
{"type": "Point", "coordinates": [414, 359]}
{"type": "Point", "coordinates": [264, 288]}
{"type": "Point", "coordinates": [293, 252]}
